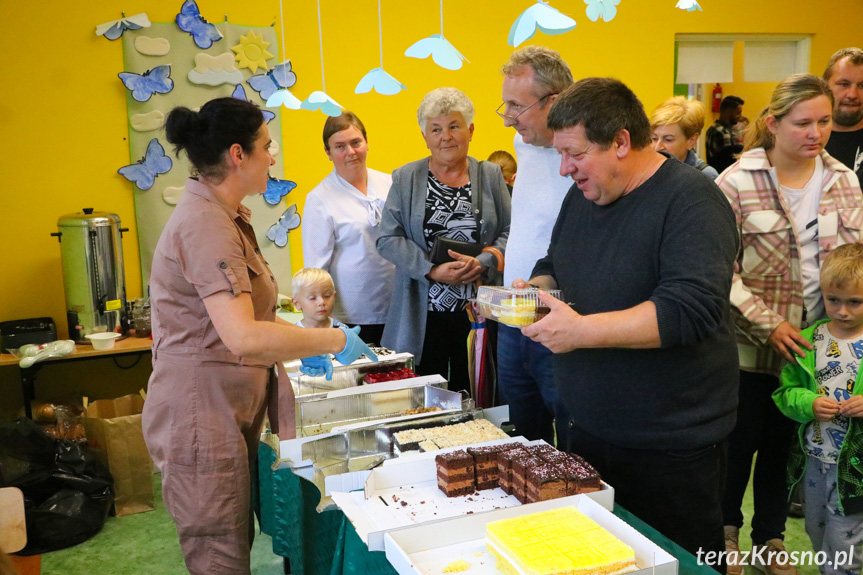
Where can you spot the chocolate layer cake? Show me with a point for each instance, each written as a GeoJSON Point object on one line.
{"type": "Point", "coordinates": [485, 460]}
{"type": "Point", "coordinates": [544, 482]}
{"type": "Point", "coordinates": [456, 473]}
{"type": "Point", "coordinates": [520, 466]}
{"type": "Point", "coordinates": [580, 476]}
{"type": "Point", "coordinates": [504, 467]}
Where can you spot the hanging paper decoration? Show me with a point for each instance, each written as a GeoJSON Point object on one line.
{"type": "Point", "coordinates": [115, 28]}
{"type": "Point", "coordinates": [215, 70]}
{"type": "Point", "coordinates": [378, 79]}
{"type": "Point", "coordinates": [152, 46]}
{"type": "Point", "coordinates": [319, 100]}
{"type": "Point", "coordinates": [443, 53]}
{"type": "Point", "coordinates": [278, 232]}
{"type": "Point", "coordinates": [148, 122]}
{"type": "Point", "coordinates": [541, 17]}
{"type": "Point", "coordinates": [381, 82]}
{"type": "Point", "coordinates": [601, 9]}
{"type": "Point", "coordinates": [251, 52]}
{"type": "Point", "coordinates": [190, 20]}
{"type": "Point", "coordinates": [277, 189]}
{"type": "Point", "coordinates": [240, 94]}
{"type": "Point", "coordinates": [143, 173]}
{"type": "Point", "coordinates": [439, 48]}
{"type": "Point", "coordinates": [688, 5]}
{"type": "Point", "coordinates": [143, 86]}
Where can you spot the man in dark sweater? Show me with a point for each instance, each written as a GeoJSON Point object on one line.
{"type": "Point", "coordinates": [646, 361]}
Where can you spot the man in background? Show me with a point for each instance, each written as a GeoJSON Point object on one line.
{"type": "Point", "coordinates": [532, 79]}
{"type": "Point", "coordinates": [844, 75]}
{"type": "Point", "coordinates": [722, 143]}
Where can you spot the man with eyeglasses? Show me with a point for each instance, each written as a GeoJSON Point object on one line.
{"type": "Point", "coordinates": [532, 78]}
{"type": "Point", "coordinates": [645, 355]}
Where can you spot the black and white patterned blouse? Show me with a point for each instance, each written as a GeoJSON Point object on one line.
{"type": "Point", "coordinates": [449, 213]}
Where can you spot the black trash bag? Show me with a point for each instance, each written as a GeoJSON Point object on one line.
{"type": "Point", "coordinates": [67, 492]}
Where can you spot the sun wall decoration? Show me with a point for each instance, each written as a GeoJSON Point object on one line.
{"type": "Point", "coordinates": [251, 52]}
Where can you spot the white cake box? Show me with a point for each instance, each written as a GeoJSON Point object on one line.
{"type": "Point", "coordinates": [404, 493]}
{"type": "Point", "coordinates": [428, 549]}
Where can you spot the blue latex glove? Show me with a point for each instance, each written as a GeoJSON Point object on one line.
{"type": "Point", "coordinates": [318, 365]}
{"type": "Point", "coordinates": [354, 346]}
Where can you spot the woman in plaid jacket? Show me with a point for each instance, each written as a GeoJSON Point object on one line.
{"type": "Point", "coordinates": [793, 203]}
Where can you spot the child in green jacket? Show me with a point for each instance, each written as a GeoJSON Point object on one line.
{"type": "Point", "coordinates": [822, 393]}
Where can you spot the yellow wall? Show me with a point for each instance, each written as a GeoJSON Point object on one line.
{"type": "Point", "coordinates": [63, 110]}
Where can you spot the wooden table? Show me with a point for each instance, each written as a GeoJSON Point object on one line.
{"type": "Point", "coordinates": [28, 375]}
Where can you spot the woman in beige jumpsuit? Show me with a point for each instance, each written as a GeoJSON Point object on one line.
{"type": "Point", "coordinates": [216, 338]}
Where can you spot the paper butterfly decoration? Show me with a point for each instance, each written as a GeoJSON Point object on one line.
{"type": "Point", "coordinates": [318, 100]}
{"type": "Point", "coordinates": [155, 81]}
{"type": "Point", "coordinates": [190, 20]}
{"type": "Point", "coordinates": [601, 9]}
{"type": "Point", "coordinates": [280, 77]}
{"type": "Point", "coordinates": [443, 53]}
{"type": "Point", "coordinates": [143, 173]}
{"type": "Point", "coordinates": [380, 81]}
{"type": "Point", "coordinates": [689, 5]}
{"type": "Point", "coordinates": [278, 232]}
{"type": "Point", "coordinates": [115, 28]}
{"type": "Point", "coordinates": [277, 189]}
{"type": "Point", "coordinates": [240, 94]}
{"type": "Point", "coordinates": [541, 17]}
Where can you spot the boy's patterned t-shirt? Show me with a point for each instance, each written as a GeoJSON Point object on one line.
{"type": "Point", "coordinates": [836, 364]}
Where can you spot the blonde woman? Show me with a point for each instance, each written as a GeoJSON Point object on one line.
{"type": "Point", "coordinates": [793, 204]}
{"type": "Point", "coordinates": [676, 125]}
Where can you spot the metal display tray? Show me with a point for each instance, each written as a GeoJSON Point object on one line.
{"type": "Point", "coordinates": [361, 448]}
{"type": "Point", "coordinates": [322, 413]}
{"type": "Point", "coordinates": [344, 376]}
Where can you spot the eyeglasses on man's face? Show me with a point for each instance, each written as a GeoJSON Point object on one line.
{"type": "Point", "coordinates": [514, 119]}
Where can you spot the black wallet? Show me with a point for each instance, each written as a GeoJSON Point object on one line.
{"type": "Point", "coordinates": [441, 244]}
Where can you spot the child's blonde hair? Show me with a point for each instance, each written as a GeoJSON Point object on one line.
{"type": "Point", "coordinates": [308, 277]}
{"type": "Point", "coordinates": [843, 266]}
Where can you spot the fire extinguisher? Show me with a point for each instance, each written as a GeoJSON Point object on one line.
{"type": "Point", "coordinates": [717, 98]}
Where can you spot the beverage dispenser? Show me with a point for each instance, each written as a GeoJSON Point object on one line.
{"type": "Point", "coordinates": [92, 252]}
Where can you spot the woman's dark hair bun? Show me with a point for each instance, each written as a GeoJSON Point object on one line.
{"type": "Point", "coordinates": [206, 135]}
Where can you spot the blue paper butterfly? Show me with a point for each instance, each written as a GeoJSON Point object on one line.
{"type": "Point", "coordinates": [278, 232]}
{"type": "Point", "coordinates": [143, 86]}
{"type": "Point", "coordinates": [277, 189]}
{"type": "Point", "coordinates": [143, 173]}
{"type": "Point", "coordinates": [279, 77]}
{"type": "Point", "coordinates": [240, 94]}
{"type": "Point", "coordinates": [190, 20]}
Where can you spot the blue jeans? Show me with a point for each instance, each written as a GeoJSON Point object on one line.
{"type": "Point", "coordinates": [526, 382]}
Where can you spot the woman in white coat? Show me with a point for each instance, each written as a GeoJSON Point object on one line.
{"type": "Point", "coordinates": [341, 225]}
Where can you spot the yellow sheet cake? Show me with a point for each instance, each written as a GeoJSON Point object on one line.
{"type": "Point", "coordinates": [561, 541]}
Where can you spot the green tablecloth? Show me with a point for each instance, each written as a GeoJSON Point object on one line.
{"type": "Point", "coordinates": [326, 543]}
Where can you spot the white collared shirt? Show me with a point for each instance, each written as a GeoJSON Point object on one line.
{"type": "Point", "coordinates": [340, 228]}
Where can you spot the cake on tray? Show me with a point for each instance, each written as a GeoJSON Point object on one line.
{"type": "Point", "coordinates": [455, 473]}
{"type": "Point", "coordinates": [560, 541]}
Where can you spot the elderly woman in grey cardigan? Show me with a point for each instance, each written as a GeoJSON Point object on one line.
{"type": "Point", "coordinates": [451, 195]}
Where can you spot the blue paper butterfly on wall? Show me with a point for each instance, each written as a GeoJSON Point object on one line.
{"type": "Point", "coordinates": [143, 173]}
{"type": "Point", "coordinates": [277, 189]}
{"type": "Point", "coordinates": [143, 86]}
{"type": "Point", "coordinates": [190, 20]}
{"type": "Point", "coordinates": [276, 79]}
{"type": "Point", "coordinates": [278, 232]}
{"type": "Point", "coordinates": [240, 94]}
